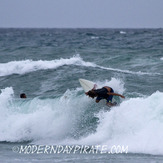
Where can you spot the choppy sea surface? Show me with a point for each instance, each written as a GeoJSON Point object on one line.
{"type": "Point", "coordinates": [46, 65]}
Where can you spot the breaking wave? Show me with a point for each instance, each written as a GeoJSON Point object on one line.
{"type": "Point", "coordinates": [26, 66]}
{"type": "Point", "coordinates": [74, 118]}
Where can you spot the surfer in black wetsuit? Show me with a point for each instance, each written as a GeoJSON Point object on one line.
{"type": "Point", "coordinates": [103, 93]}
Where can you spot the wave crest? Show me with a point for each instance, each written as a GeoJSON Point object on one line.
{"type": "Point", "coordinates": [26, 66]}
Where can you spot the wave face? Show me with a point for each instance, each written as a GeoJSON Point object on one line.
{"type": "Point", "coordinates": [75, 119]}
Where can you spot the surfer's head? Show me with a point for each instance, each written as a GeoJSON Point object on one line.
{"type": "Point", "coordinates": [91, 94]}
{"type": "Point", "coordinates": [23, 95]}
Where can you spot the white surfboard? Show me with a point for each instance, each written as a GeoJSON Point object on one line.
{"type": "Point", "coordinates": [87, 85]}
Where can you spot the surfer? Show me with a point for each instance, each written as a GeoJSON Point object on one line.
{"type": "Point", "coordinates": [23, 95]}
{"type": "Point", "coordinates": [103, 93]}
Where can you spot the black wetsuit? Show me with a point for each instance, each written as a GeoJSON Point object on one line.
{"type": "Point", "coordinates": [102, 94]}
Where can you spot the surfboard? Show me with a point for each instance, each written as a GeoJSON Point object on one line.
{"type": "Point", "coordinates": [86, 84]}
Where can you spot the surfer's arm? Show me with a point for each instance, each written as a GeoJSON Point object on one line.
{"type": "Point", "coordinates": [115, 94]}
{"type": "Point", "coordinates": [95, 86]}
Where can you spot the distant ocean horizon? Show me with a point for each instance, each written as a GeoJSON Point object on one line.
{"type": "Point", "coordinates": [82, 28]}
{"type": "Point", "coordinates": [46, 63]}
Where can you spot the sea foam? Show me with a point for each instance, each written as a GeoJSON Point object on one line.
{"type": "Point", "coordinates": [43, 119]}
{"type": "Point", "coordinates": [26, 66]}
{"type": "Point", "coordinates": [135, 122]}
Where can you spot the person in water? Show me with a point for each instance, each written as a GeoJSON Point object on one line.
{"type": "Point", "coordinates": [23, 95]}
{"type": "Point", "coordinates": [103, 93]}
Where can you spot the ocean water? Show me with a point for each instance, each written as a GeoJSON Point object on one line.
{"type": "Point", "coordinates": [46, 65]}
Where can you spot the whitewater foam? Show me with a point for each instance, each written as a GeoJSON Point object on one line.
{"type": "Point", "coordinates": [43, 119]}
{"type": "Point", "coordinates": [136, 123]}
{"type": "Point", "coordinates": [26, 66]}
{"type": "Point", "coordinates": [122, 32]}
{"type": "Point", "coordinates": [36, 119]}
{"type": "Point", "coordinates": [116, 84]}
{"type": "Point", "coordinates": [128, 71]}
